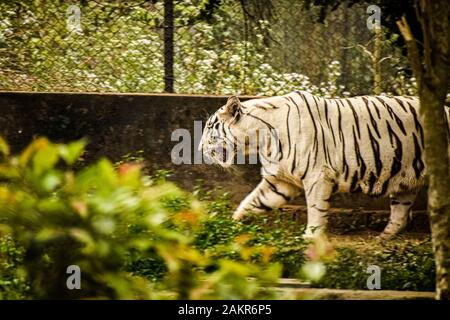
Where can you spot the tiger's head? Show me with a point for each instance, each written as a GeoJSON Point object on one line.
{"type": "Point", "coordinates": [219, 139]}
{"type": "Point", "coordinates": [232, 133]}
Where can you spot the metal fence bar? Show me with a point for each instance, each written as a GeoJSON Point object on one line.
{"type": "Point", "coordinates": [168, 46]}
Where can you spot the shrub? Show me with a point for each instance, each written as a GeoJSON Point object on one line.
{"type": "Point", "coordinates": [273, 231]}
{"type": "Point", "coordinates": [107, 221]}
{"type": "Point", "coordinates": [13, 284]}
{"type": "Point", "coordinates": [404, 264]}
{"type": "Point", "coordinates": [137, 236]}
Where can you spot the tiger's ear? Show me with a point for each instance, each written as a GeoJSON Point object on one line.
{"type": "Point", "coordinates": [232, 109]}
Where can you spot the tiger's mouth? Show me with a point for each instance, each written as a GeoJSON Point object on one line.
{"type": "Point", "coordinates": [223, 156]}
{"type": "Point", "coordinates": [219, 154]}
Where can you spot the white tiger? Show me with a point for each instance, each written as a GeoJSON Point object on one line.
{"type": "Point", "coordinates": [370, 144]}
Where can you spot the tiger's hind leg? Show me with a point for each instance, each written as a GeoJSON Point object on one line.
{"type": "Point", "coordinates": [271, 193]}
{"type": "Point", "coordinates": [400, 210]}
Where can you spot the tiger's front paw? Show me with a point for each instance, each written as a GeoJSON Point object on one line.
{"type": "Point", "coordinates": [385, 236]}
{"type": "Point", "coordinates": [313, 232]}
{"type": "Point", "coordinates": [238, 215]}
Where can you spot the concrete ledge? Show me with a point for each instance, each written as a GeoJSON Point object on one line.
{"type": "Point", "coordinates": [338, 294]}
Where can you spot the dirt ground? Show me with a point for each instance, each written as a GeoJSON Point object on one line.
{"type": "Point", "coordinates": [358, 222]}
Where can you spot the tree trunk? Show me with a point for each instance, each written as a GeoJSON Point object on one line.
{"type": "Point", "coordinates": [436, 160]}
{"type": "Point", "coordinates": [432, 70]}
{"type": "Point", "coordinates": [376, 61]}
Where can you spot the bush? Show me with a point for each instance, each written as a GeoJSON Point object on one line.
{"type": "Point", "coordinates": [107, 221]}
{"type": "Point", "coordinates": [273, 231]}
{"type": "Point", "coordinates": [13, 284]}
{"type": "Point", "coordinates": [408, 265]}
{"type": "Point", "coordinates": [405, 265]}
{"type": "Point", "coordinates": [136, 236]}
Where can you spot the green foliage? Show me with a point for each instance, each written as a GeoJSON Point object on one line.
{"type": "Point", "coordinates": [408, 266]}
{"type": "Point", "coordinates": [405, 265]}
{"type": "Point", "coordinates": [347, 271]}
{"type": "Point", "coordinates": [137, 236]}
{"type": "Point", "coordinates": [13, 285]}
{"type": "Point", "coordinates": [131, 157]}
{"type": "Point", "coordinates": [280, 238]}
{"type": "Point", "coordinates": [263, 238]}
{"type": "Point", "coordinates": [218, 50]}
{"type": "Point", "coordinates": [107, 221]}
{"type": "Point", "coordinates": [61, 218]}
